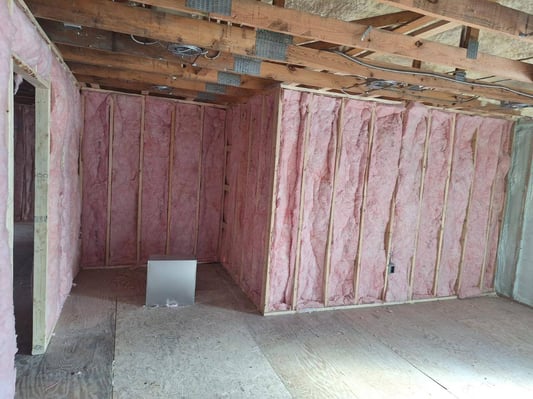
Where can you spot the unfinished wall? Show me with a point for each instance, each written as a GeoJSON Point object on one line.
{"type": "Point", "coordinates": [515, 270]}
{"type": "Point", "coordinates": [381, 203]}
{"type": "Point", "coordinates": [250, 135]}
{"type": "Point", "coordinates": [24, 142]}
{"type": "Point", "coordinates": [18, 36]}
{"type": "Point", "coordinates": [152, 179]}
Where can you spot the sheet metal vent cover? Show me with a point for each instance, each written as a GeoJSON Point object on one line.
{"type": "Point", "coordinates": [272, 45]}
{"type": "Point", "coordinates": [215, 88]}
{"type": "Point", "coordinates": [247, 65]}
{"type": "Point", "coordinates": [229, 79]}
{"type": "Point", "coordinates": [215, 6]}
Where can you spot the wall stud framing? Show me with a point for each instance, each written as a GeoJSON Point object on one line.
{"type": "Point", "coordinates": [139, 200]}
{"type": "Point", "coordinates": [276, 133]}
{"type": "Point", "coordinates": [111, 133]}
{"type": "Point", "coordinates": [338, 150]}
{"type": "Point", "coordinates": [464, 234]}
{"type": "Point", "coordinates": [445, 205]}
{"type": "Point", "coordinates": [357, 264]}
{"type": "Point", "coordinates": [170, 175]}
{"type": "Point", "coordinates": [199, 183]}
{"type": "Point", "coordinates": [419, 215]}
{"type": "Point", "coordinates": [301, 206]}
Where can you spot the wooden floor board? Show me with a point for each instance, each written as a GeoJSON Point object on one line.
{"type": "Point", "coordinates": [222, 348]}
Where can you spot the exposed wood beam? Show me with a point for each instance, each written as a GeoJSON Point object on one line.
{"type": "Point", "coordinates": [150, 65]}
{"type": "Point", "coordinates": [480, 14]}
{"type": "Point", "coordinates": [139, 21]}
{"type": "Point", "coordinates": [294, 22]}
{"type": "Point", "coordinates": [144, 88]}
{"type": "Point", "coordinates": [154, 79]}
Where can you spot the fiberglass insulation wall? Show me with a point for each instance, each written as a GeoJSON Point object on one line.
{"type": "Point", "coordinates": [152, 179]}
{"type": "Point", "coordinates": [250, 137]}
{"type": "Point", "coordinates": [18, 36]}
{"type": "Point", "coordinates": [381, 203]}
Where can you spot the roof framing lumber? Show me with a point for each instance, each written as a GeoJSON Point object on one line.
{"type": "Point", "coordinates": [121, 43]}
{"type": "Point", "coordinates": [301, 24]}
{"type": "Point", "coordinates": [164, 26]}
{"type": "Point", "coordinates": [480, 14]}
{"type": "Point", "coordinates": [152, 78]}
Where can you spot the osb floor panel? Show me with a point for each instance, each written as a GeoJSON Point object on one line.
{"type": "Point", "coordinates": [107, 345]}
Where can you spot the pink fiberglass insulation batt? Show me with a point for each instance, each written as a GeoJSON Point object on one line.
{"type": "Point", "coordinates": [211, 189]}
{"type": "Point", "coordinates": [432, 205]}
{"type": "Point", "coordinates": [317, 192]}
{"type": "Point", "coordinates": [185, 180]}
{"type": "Point", "coordinates": [287, 196]}
{"type": "Point", "coordinates": [24, 142]}
{"type": "Point", "coordinates": [458, 195]}
{"type": "Point", "coordinates": [157, 130]}
{"type": "Point", "coordinates": [95, 155]}
{"type": "Point", "coordinates": [488, 142]}
{"type": "Point", "coordinates": [127, 115]}
{"type": "Point", "coordinates": [407, 202]}
{"type": "Point", "coordinates": [382, 177]}
{"type": "Point", "coordinates": [19, 36]}
{"type": "Point", "coordinates": [498, 200]}
{"type": "Point", "coordinates": [348, 196]}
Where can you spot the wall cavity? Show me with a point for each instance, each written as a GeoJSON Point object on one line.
{"type": "Point", "coordinates": [382, 203]}
{"type": "Point", "coordinates": [152, 179]}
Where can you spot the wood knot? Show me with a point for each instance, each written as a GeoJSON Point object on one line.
{"type": "Point", "coordinates": [418, 43]}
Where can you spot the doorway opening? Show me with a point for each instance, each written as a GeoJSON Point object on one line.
{"type": "Point", "coordinates": [23, 210]}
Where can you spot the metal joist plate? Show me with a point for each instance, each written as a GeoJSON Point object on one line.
{"type": "Point", "coordinates": [247, 65]}
{"type": "Point", "coordinates": [229, 79]}
{"type": "Point", "coordinates": [215, 88]}
{"type": "Point", "coordinates": [472, 49]}
{"type": "Point", "coordinates": [272, 45]}
{"type": "Point", "coordinates": [215, 6]}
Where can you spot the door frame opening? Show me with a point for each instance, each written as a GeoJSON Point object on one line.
{"type": "Point", "coordinates": [40, 335]}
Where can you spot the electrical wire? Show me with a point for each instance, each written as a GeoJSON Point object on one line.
{"type": "Point", "coordinates": [143, 43]}
{"type": "Point", "coordinates": [434, 75]}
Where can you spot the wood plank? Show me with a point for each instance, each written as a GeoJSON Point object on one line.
{"type": "Point", "coordinates": [298, 23]}
{"type": "Point", "coordinates": [111, 119]}
{"type": "Point", "coordinates": [291, 74]}
{"type": "Point", "coordinates": [140, 197]}
{"type": "Point", "coordinates": [170, 171]}
{"type": "Point", "coordinates": [480, 14]}
{"type": "Point", "coordinates": [121, 18]}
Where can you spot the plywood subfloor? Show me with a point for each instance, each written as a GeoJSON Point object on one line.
{"type": "Point", "coordinates": [221, 348]}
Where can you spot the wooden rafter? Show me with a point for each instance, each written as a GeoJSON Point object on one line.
{"type": "Point", "coordinates": [133, 20]}
{"type": "Point", "coordinates": [480, 14]}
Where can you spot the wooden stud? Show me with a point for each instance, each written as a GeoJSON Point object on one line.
{"type": "Point", "coordinates": [111, 132]}
{"type": "Point", "coordinates": [357, 264]}
{"type": "Point", "coordinates": [199, 183]}
{"type": "Point", "coordinates": [338, 150]}
{"type": "Point", "coordinates": [41, 336]}
{"type": "Point", "coordinates": [420, 198]}
{"type": "Point", "coordinates": [389, 232]}
{"type": "Point", "coordinates": [464, 234]}
{"type": "Point", "coordinates": [170, 175]}
{"type": "Point", "coordinates": [276, 137]}
{"type": "Point", "coordinates": [301, 206]}
{"type": "Point", "coordinates": [445, 206]}
{"type": "Point", "coordinates": [246, 188]}
{"type": "Point", "coordinates": [141, 161]}
{"type": "Point", "coordinates": [225, 187]}
{"type": "Point", "coordinates": [502, 212]}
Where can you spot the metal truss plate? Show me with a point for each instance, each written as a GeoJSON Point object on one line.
{"type": "Point", "coordinates": [472, 49]}
{"type": "Point", "coordinates": [247, 65]}
{"type": "Point", "coordinates": [206, 96]}
{"type": "Point", "coordinates": [229, 79]}
{"type": "Point", "coordinates": [272, 45]}
{"type": "Point", "coordinates": [215, 6]}
{"type": "Point", "coordinates": [215, 88]}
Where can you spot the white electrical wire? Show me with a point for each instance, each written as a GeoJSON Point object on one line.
{"type": "Point", "coordinates": [434, 75]}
